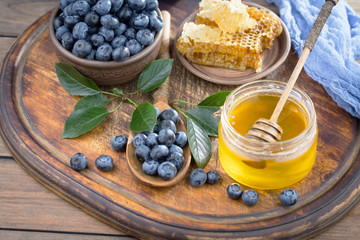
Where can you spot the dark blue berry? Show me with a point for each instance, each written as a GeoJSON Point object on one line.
{"type": "Point", "coordinates": [63, 4]}
{"type": "Point", "coordinates": [142, 153]}
{"type": "Point", "coordinates": [119, 41]}
{"type": "Point", "coordinates": [97, 40]}
{"type": "Point", "coordinates": [177, 159]}
{"type": "Point", "coordinates": [93, 30]}
{"type": "Point", "coordinates": [139, 139]}
{"type": "Point", "coordinates": [91, 2]}
{"type": "Point", "coordinates": [92, 54]}
{"type": "Point", "coordinates": [157, 128]}
{"type": "Point", "coordinates": [155, 22]}
{"type": "Point", "coordinates": [181, 139]}
{"type": "Point", "coordinates": [159, 153]}
{"type": "Point", "coordinates": [174, 148]}
{"type": "Point", "coordinates": [167, 171]}
{"type": "Point", "coordinates": [234, 191]}
{"type": "Point", "coordinates": [150, 167]}
{"type": "Point", "coordinates": [68, 10]}
{"type": "Point", "coordinates": [82, 48]}
{"type": "Point", "coordinates": [137, 5]}
{"type": "Point", "coordinates": [116, 5]}
{"type": "Point", "coordinates": [110, 22]}
{"type": "Point", "coordinates": [78, 161]}
{"type": "Point", "coordinates": [157, 111]}
{"type": "Point", "coordinates": [139, 21]}
{"type": "Point", "coordinates": [145, 37]}
{"type": "Point", "coordinates": [70, 21]}
{"type": "Point", "coordinates": [151, 12]}
{"type": "Point", "coordinates": [102, 7]}
{"type": "Point", "coordinates": [167, 124]}
{"type": "Point", "coordinates": [250, 197]}
{"type": "Point", "coordinates": [288, 197]}
{"type": "Point", "coordinates": [170, 114]}
{"type": "Point", "coordinates": [108, 34]}
{"type": "Point", "coordinates": [60, 31]}
{"type": "Point", "coordinates": [118, 142]}
{"type": "Point", "coordinates": [152, 140]}
{"type": "Point", "coordinates": [58, 22]}
{"type": "Point", "coordinates": [130, 33]}
{"type": "Point", "coordinates": [166, 137]}
{"type": "Point", "coordinates": [125, 13]}
{"type": "Point", "coordinates": [151, 5]}
{"type": "Point", "coordinates": [120, 30]}
{"type": "Point", "coordinates": [67, 41]}
{"type": "Point", "coordinates": [120, 54]}
{"type": "Point", "coordinates": [80, 30]}
{"type": "Point", "coordinates": [213, 177]}
{"type": "Point", "coordinates": [81, 8]}
{"type": "Point", "coordinates": [104, 163]}
{"type": "Point", "coordinates": [103, 53]}
{"type": "Point", "coordinates": [92, 19]}
{"type": "Point", "coordinates": [197, 177]}
{"type": "Point", "coordinates": [134, 46]}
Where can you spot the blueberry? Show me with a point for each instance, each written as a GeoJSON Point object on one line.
{"type": "Point", "coordinates": [103, 53]}
{"type": "Point", "coordinates": [142, 153]}
{"type": "Point", "coordinates": [170, 114]}
{"type": "Point", "coordinates": [104, 163]}
{"type": "Point", "coordinates": [145, 37]}
{"type": "Point", "coordinates": [119, 41]}
{"type": "Point", "coordinates": [63, 4]}
{"type": "Point", "coordinates": [139, 21]}
{"type": "Point", "coordinates": [181, 139]}
{"type": "Point", "coordinates": [92, 54]}
{"type": "Point", "coordinates": [110, 22]}
{"type": "Point", "coordinates": [68, 10]}
{"type": "Point", "coordinates": [157, 128]}
{"type": "Point", "coordinates": [159, 153]}
{"type": "Point", "coordinates": [67, 41]}
{"type": "Point", "coordinates": [157, 111]}
{"type": "Point", "coordinates": [121, 53]}
{"type": "Point", "coordinates": [80, 30]}
{"type": "Point", "coordinates": [70, 21]}
{"type": "Point", "coordinates": [174, 148]}
{"type": "Point", "coordinates": [60, 31]}
{"type": "Point", "coordinates": [150, 167]}
{"type": "Point", "coordinates": [97, 40]}
{"type": "Point", "coordinates": [234, 191]}
{"type": "Point", "coordinates": [166, 137]}
{"type": "Point", "coordinates": [288, 197]}
{"type": "Point", "coordinates": [93, 30]}
{"type": "Point", "coordinates": [151, 5]}
{"type": "Point", "coordinates": [81, 48]}
{"type": "Point", "coordinates": [151, 12]}
{"type": "Point", "coordinates": [197, 177]}
{"type": "Point", "coordinates": [116, 5]}
{"type": "Point", "coordinates": [167, 171]}
{"type": "Point", "coordinates": [134, 46]}
{"type": "Point", "coordinates": [125, 13]}
{"type": "Point", "coordinates": [92, 19]}
{"type": "Point", "coordinates": [108, 34]}
{"type": "Point", "coordinates": [213, 177]}
{"type": "Point", "coordinates": [130, 33]}
{"type": "Point", "coordinates": [137, 5]}
{"type": "Point", "coordinates": [139, 139]}
{"type": "Point", "coordinates": [102, 7]}
{"type": "Point", "coordinates": [177, 159]}
{"type": "Point", "coordinates": [58, 22]}
{"type": "Point", "coordinates": [167, 124]}
{"type": "Point", "coordinates": [152, 140]}
{"type": "Point", "coordinates": [120, 30]}
{"type": "Point", "coordinates": [78, 161]}
{"type": "Point", "coordinates": [80, 8]}
{"type": "Point", "coordinates": [118, 142]}
{"type": "Point", "coordinates": [155, 22]}
{"type": "Point", "coordinates": [250, 197]}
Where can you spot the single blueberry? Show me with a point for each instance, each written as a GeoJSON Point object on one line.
{"type": "Point", "coordinates": [80, 30]}
{"type": "Point", "coordinates": [102, 7]}
{"type": "Point", "coordinates": [150, 167]}
{"type": "Point", "coordinates": [67, 41]}
{"type": "Point", "coordinates": [139, 21]}
{"type": "Point", "coordinates": [157, 128]}
{"type": "Point", "coordinates": [130, 33]}
{"type": "Point", "coordinates": [213, 177]}
{"type": "Point", "coordinates": [116, 5]}
{"type": "Point", "coordinates": [70, 21]}
{"type": "Point", "coordinates": [137, 5]}
{"type": "Point", "coordinates": [109, 21]}
{"type": "Point", "coordinates": [104, 163]}
{"type": "Point", "coordinates": [58, 22]}
{"type": "Point", "coordinates": [92, 19]}
{"type": "Point", "coordinates": [234, 191]}
{"type": "Point", "coordinates": [159, 153]}
{"type": "Point", "coordinates": [250, 197]}
{"type": "Point", "coordinates": [170, 114]}
{"type": "Point", "coordinates": [118, 142]}
{"type": "Point", "coordinates": [92, 54]}
{"type": "Point", "coordinates": [82, 48]}
{"type": "Point", "coordinates": [177, 159]}
{"type": "Point", "coordinates": [81, 8]}
{"type": "Point", "coordinates": [78, 161]}
{"type": "Point", "coordinates": [152, 140]}
{"type": "Point", "coordinates": [121, 53]}
{"type": "Point", "coordinates": [120, 30]}
{"type": "Point", "coordinates": [108, 34]}
{"type": "Point", "coordinates": [288, 197]}
{"type": "Point", "coordinates": [142, 153]}
{"type": "Point", "coordinates": [139, 139]}
{"type": "Point", "coordinates": [68, 10]}
{"type": "Point", "coordinates": [97, 40]}
{"type": "Point", "coordinates": [166, 137]}
{"type": "Point", "coordinates": [197, 177]}
{"type": "Point", "coordinates": [134, 46]}
{"type": "Point", "coordinates": [63, 4]}
{"type": "Point", "coordinates": [174, 148]}
{"type": "Point", "coordinates": [157, 111]}
{"type": "Point", "coordinates": [168, 124]}
{"type": "Point", "coordinates": [60, 31]}
{"type": "Point", "coordinates": [181, 139]}
{"type": "Point", "coordinates": [145, 37]}
{"type": "Point", "coordinates": [125, 13]}
{"type": "Point", "coordinates": [167, 171]}
{"type": "Point", "coordinates": [118, 41]}
{"type": "Point", "coordinates": [151, 12]}
{"type": "Point", "coordinates": [103, 53]}
{"type": "Point", "coordinates": [151, 5]}
{"type": "Point", "coordinates": [156, 23]}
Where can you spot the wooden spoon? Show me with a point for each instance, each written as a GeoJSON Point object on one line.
{"type": "Point", "coordinates": [161, 99]}
{"type": "Point", "coordinates": [268, 130]}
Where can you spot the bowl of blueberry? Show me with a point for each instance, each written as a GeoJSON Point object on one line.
{"type": "Point", "coordinates": [109, 41]}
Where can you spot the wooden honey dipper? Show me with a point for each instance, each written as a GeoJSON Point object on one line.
{"type": "Point", "coordinates": [267, 130]}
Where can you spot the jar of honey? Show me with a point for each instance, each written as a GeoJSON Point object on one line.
{"type": "Point", "coordinates": [265, 165]}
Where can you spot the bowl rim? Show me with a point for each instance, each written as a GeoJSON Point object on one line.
{"type": "Point", "coordinates": [100, 64]}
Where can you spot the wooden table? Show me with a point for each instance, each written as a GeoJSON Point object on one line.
{"type": "Point", "coordinates": [28, 210]}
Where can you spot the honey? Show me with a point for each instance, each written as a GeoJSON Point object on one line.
{"type": "Point", "coordinates": [267, 165]}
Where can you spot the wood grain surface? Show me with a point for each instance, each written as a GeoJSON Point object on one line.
{"type": "Point", "coordinates": [30, 211]}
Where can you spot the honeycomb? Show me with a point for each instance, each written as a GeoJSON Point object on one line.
{"type": "Point", "coordinates": [204, 42]}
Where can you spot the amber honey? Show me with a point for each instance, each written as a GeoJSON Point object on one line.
{"type": "Point", "coordinates": [267, 165]}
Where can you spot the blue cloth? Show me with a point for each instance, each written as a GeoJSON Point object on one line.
{"type": "Point", "coordinates": [332, 61]}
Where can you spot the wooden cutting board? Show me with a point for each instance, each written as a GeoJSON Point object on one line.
{"type": "Point", "coordinates": [34, 106]}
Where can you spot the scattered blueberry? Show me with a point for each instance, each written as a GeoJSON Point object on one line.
{"type": "Point", "coordinates": [139, 139]}
{"type": "Point", "coordinates": [134, 46]}
{"type": "Point", "coordinates": [177, 159]}
{"type": "Point", "coordinates": [159, 153]}
{"type": "Point", "coordinates": [120, 54]}
{"type": "Point", "coordinates": [174, 148]}
{"type": "Point", "coordinates": [108, 34]}
{"type": "Point", "coordinates": [97, 40]}
{"type": "Point", "coordinates": [168, 124]}
{"type": "Point", "coordinates": [197, 177]}
{"type": "Point", "coordinates": [150, 167]}
{"type": "Point", "coordinates": [152, 140]}
{"type": "Point", "coordinates": [78, 161]}
{"type": "Point", "coordinates": [118, 143]}
{"type": "Point", "coordinates": [250, 197]}
{"type": "Point", "coordinates": [142, 153]}
{"type": "Point", "coordinates": [139, 21]}
{"type": "Point", "coordinates": [92, 19]}
{"type": "Point", "coordinates": [67, 41]}
{"type": "Point", "coordinates": [167, 170]}
{"type": "Point", "coordinates": [170, 114]}
{"type": "Point", "coordinates": [137, 5]}
{"type": "Point", "coordinates": [110, 22]}
{"type": "Point", "coordinates": [118, 41]}
{"type": "Point", "coordinates": [166, 137]}
{"type": "Point", "coordinates": [80, 30]}
{"type": "Point", "coordinates": [288, 197]}
{"type": "Point", "coordinates": [103, 53]}
{"type": "Point", "coordinates": [81, 48]}
{"type": "Point", "coordinates": [104, 163]}
{"type": "Point", "coordinates": [145, 37]}
{"type": "Point", "coordinates": [234, 191]}
{"type": "Point", "coordinates": [181, 139]}
{"type": "Point", "coordinates": [102, 7]}
{"type": "Point", "coordinates": [81, 8]}
{"type": "Point", "coordinates": [213, 177]}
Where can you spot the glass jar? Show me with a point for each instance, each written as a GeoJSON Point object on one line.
{"type": "Point", "coordinates": [265, 165]}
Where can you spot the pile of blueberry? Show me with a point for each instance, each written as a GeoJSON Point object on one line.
{"type": "Point", "coordinates": [106, 30]}
{"type": "Point", "coordinates": [160, 152]}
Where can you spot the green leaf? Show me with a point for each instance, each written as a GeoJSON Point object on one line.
{"type": "Point", "coordinates": [199, 143]}
{"type": "Point", "coordinates": [143, 118]}
{"type": "Point", "coordinates": [97, 100]}
{"type": "Point", "coordinates": [216, 99]}
{"type": "Point", "coordinates": [204, 117]}
{"type": "Point", "coordinates": [154, 74]}
{"type": "Point", "coordinates": [74, 82]}
{"type": "Point", "coordinates": [118, 91]}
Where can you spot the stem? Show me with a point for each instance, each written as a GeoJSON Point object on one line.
{"type": "Point", "coordinates": [109, 93]}
{"type": "Point", "coordinates": [181, 101]}
{"type": "Point", "coordinates": [111, 111]}
{"type": "Point", "coordinates": [131, 101]}
{"type": "Point", "coordinates": [180, 110]}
